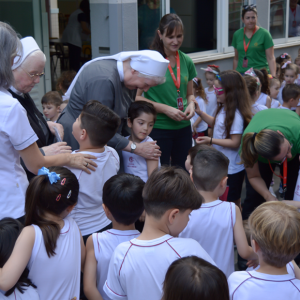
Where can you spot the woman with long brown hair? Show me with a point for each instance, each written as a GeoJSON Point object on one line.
{"type": "Point", "coordinates": [172, 100]}
{"type": "Point", "coordinates": [232, 116]}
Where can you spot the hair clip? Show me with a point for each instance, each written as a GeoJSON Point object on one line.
{"type": "Point", "coordinates": [196, 81]}
{"type": "Point", "coordinates": [253, 136]}
{"type": "Point", "coordinates": [219, 77]}
{"type": "Point", "coordinates": [270, 76]}
{"type": "Point", "coordinates": [209, 69]}
{"type": "Point", "coordinates": [58, 197]}
{"type": "Point", "coordinates": [250, 7]}
{"type": "Point", "coordinates": [286, 64]}
{"type": "Point", "coordinates": [53, 177]}
{"type": "Point", "coordinates": [63, 181]}
{"type": "Point", "coordinates": [213, 66]}
{"type": "Point", "coordinates": [69, 194]}
{"type": "Point", "coordinates": [284, 55]}
{"type": "Point", "coordinates": [251, 73]}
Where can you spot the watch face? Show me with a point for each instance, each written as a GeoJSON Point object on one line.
{"type": "Point", "coordinates": [133, 146]}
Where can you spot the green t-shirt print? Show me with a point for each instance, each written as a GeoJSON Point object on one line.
{"type": "Point", "coordinates": [256, 54]}
{"type": "Point", "coordinates": [167, 93]}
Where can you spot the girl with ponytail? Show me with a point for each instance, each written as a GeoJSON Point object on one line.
{"type": "Point", "coordinates": [265, 144]}
{"type": "Point", "coordinates": [50, 245]}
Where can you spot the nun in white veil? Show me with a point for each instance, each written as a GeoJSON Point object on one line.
{"type": "Point", "coordinates": [113, 81]}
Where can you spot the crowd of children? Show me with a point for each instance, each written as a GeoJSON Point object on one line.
{"type": "Point", "coordinates": [82, 228]}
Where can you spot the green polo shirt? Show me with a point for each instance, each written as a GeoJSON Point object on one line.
{"type": "Point", "coordinates": [286, 121]}
{"type": "Point", "coordinates": [167, 93]}
{"type": "Point", "coordinates": [256, 54]}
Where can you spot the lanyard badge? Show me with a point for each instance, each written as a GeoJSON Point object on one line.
{"type": "Point", "coordinates": [245, 60]}
{"type": "Point", "coordinates": [179, 99]}
{"type": "Point", "coordinates": [284, 177]}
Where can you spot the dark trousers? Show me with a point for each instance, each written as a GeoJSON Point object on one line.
{"type": "Point", "coordinates": [254, 199]}
{"type": "Point", "coordinates": [174, 144]}
{"type": "Point", "coordinates": [74, 57]}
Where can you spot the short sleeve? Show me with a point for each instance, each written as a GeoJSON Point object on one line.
{"type": "Point", "coordinates": [191, 67]}
{"type": "Point", "coordinates": [18, 129]}
{"type": "Point", "coordinates": [268, 41]}
{"type": "Point", "coordinates": [112, 286]}
{"type": "Point", "coordinates": [237, 126]}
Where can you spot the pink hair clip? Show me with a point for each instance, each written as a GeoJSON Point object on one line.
{"type": "Point", "coordinates": [251, 73]}
{"type": "Point", "coordinates": [58, 197]}
{"type": "Point", "coordinates": [196, 81]}
{"type": "Point", "coordinates": [63, 181]}
{"type": "Point", "coordinates": [286, 64]}
{"type": "Point", "coordinates": [209, 69]}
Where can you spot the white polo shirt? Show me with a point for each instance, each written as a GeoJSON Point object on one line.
{"type": "Point", "coordinates": [219, 133]}
{"type": "Point", "coordinates": [15, 134]}
{"type": "Point", "coordinates": [211, 106]}
{"type": "Point", "coordinates": [262, 99]}
{"type": "Point", "coordinates": [257, 107]}
{"type": "Point", "coordinates": [249, 285]}
{"type": "Point", "coordinates": [216, 220]}
{"type": "Point", "coordinates": [202, 126]}
{"type": "Point", "coordinates": [137, 268]}
{"type": "Point", "coordinates": [275, 103]}
{"type": "Point", "coordinates": [57, 277]}
{"type": "Point", "coordinates": [105, 244]}
{"type": "Point", "coordinates": [88, 213]}
{"type": "Point", "coordinates": [135, 164]}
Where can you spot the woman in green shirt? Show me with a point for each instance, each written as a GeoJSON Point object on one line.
{"type": "Point", "coordinates": [172, 100]}
{"type": "Point", "coordinates": [271, 137]}
{"type": "Point", "coordinates": [253, 45]}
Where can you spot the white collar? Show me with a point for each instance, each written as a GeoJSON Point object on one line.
{"type": "Point", "coordinates": [16, 91]}
{"type": "Point", "coordinates": [120, 70]}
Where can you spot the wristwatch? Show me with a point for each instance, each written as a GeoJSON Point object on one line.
{"type": "Point", "coordinates": [133, 147]}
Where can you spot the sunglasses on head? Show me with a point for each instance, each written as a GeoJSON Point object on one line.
{"type": "Point", "coordinates": [219, 91]}
{"type": "Point", "coordinates": [249, 7]}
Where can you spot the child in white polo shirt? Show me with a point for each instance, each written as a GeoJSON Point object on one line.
{"type": "Point", "coordinates": [137, 268]}
{"type": "Point", "coordinates": [220, 222]}
{"type": "Point", "coordinates": [123, 204]}
{"type": "Point", "coordinates": [275, 237]}
{"type": "Point", "coordinates": [95, 126]}
{"type": "Point", "coordinates": [141, 119]}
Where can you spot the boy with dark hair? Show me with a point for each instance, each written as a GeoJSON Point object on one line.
{"type": "Point", "coordinates": [220, 221]}
{"type": "Point", "coordinates": [95, 126]}
{"type": "Point", "coordinates": [275, 237]}
{"type": "Point", "coordinates": [123, 204]}
{"type": "Point", "coordinates": [290, 96]}
{"type": "Point", "coordinates": [51, 102]}
{"type": "Point", "coordinates": [141, 119]}
{"type": "Point", "coordinates": [137, 268]}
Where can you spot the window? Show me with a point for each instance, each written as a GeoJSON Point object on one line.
{"type": "Point", "coordinates": [294, 19]}
{"type": "Point", "coordinates": [200, 24]}
{"type": "Point", "coordinates": [149, 15]}
{"type": "Point", "coordinates": [235, 17]}
{"type": "Point", "coordinates": [277, 18]}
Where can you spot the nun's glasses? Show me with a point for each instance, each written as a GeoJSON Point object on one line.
{"type": "Point", "coordinates": [32, 76]}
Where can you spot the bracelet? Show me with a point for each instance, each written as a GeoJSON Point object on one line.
{"type": "Point", "coordinates": [211, 141]}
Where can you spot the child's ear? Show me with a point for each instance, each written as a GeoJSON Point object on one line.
{"type": "Point", "coordinates": [223, 182]}
{"type": "Point", "coordinates": [58, 109]}
{"type": "Point", "coordinates": [107, 211]}
{"type": "Point", "coordinates": [191, 173]}
{"type": "Point", "coordinates": [83, 135]}
{"type": "Point", "coordinates": [255, 246]}
{"type": "Point", "coordinates": [172, 215]}
{"type": "Point", "coordinates": [129, 123]}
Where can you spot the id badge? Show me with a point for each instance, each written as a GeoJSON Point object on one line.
{"type": "Point", "coordinates": [180, 103]}
{"type": "Point", "coordinates": [245, 62]}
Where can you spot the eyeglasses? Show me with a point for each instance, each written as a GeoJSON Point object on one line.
{"type": "Point", "coordinates": [249, 7]}
{"type": "Point", "coordinates": [219, 91]}
{"type": "Point", "coordinates": [32, 76]}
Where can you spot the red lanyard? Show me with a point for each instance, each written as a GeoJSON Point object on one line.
{"type": "Point", "coordinates": [284, 177]}
{"type": "Point", "coordinates": [247, 46]}
{"type": "Point", "coordinates": [176, 81]}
